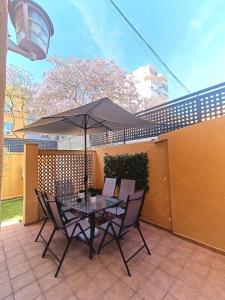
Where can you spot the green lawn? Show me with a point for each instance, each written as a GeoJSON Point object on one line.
{"type": "Point", "coordinates": [11, 210]}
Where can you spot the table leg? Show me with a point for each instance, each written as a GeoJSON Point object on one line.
{"type": "Point", "coordinates": [92, 234]}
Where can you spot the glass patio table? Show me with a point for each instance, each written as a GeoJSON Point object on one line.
{"type": "Point", "coordinates": [89, 208]}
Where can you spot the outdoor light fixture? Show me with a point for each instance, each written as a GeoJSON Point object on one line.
{"type": "Point", "coordinates": [33, 29]}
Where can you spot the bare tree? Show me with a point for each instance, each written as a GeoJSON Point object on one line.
{"type": "Point", "coordinates": [18, 92]}
{"type": "Point", "coordinates": [73, 82]}
{"type": "Point", "coordinates": [3, 51]}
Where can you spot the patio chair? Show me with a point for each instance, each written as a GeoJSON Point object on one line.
{"type": "Point", "coordinates": [46, 214]}
{"type": "Point", "coordinates": [118, 227]}
{"type": "Point", "coordinates": [64, 191]}
{"type": "Point", "coordinates": [127, 188]}
{"type": "Point", "coordinates": [71, 230]}
{"type": "Point", "coordinates": [109, 187]}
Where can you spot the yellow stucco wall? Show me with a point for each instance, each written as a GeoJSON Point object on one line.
{"type": "Point", "coordinates": [187, 181]}
{"type": "Point", "coordinates": [12, 184]}
{"type": "Point", "coordinates": [157, 202]}
{"type": "Point", "coordinates": [197, 178]}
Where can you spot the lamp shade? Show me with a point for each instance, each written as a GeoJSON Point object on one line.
{"type": "Point", "coordinates": [33, 27]}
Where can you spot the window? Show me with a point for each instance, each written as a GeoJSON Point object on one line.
{"type": "Point", "coordinates": [8, 127]}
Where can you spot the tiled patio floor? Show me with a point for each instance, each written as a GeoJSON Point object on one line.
{"type": "Point", "coordinates": [176, 270]}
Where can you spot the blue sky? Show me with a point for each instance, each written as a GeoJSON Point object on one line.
{"type": "Point", "coordinates": [188, 35]}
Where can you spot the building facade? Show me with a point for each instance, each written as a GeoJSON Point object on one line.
{"type": "Point", "coordinates": [151, 86]}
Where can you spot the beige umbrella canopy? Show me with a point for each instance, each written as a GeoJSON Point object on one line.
{"type": "Point", "coordinates": [98, 116]}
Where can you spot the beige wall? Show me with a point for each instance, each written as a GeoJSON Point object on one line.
{"type": "Point", "coordinates": [12, 182]}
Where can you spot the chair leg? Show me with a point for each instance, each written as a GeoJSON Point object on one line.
{"type": "Point", "coordinates": [121, 252]}
{"type": "Point", "coordinates": [146, 246]}
{"type": "Point", "coordinates": [103, 239]}
{"type": "Point", "coordinates": [63, 256]}
{"type": "Point", "coordinates": [48, 243]}
{"type": "Point", "coordinates": [40, 231]}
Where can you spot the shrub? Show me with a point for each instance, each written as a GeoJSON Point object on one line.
{"type": "Point", "coordinates": [128, 166]}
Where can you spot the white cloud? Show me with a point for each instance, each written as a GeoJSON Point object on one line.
{"type": "Point", "coordinates": [203, 15]}
{"type": "Point", "coordinates": [97, 27]}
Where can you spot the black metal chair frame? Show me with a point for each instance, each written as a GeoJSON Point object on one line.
{"type": "Point", "coordinates": [64, 231]}
{"type": "Point", "coordinates": [122, 231]}
{"type": "Point", "coordinates": [45, 212]}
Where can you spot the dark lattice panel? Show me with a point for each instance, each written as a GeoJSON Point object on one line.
{"type": "Point", "coordinates": [64, 168]}
{"type": "Point", "coordinates": [194, 108]}
{"type": "Point", "coordinates": [17, 145]}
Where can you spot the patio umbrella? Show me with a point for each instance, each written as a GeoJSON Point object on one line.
{"type": "Point", "coordinates": [98, 116]}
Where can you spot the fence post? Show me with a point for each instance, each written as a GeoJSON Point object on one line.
{"type": "Point", "coordinates": [30, 203]}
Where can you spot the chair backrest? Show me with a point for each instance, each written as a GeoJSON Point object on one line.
{"type": "Point", "coordinates": [65, 187]}
{"type": "Point", "coordinates": [41, 199]}
{"type": "Point", "coordinates": [127, 188]}
{"type": "Point", "coordinates": [133, 210]}
{"type": "Point", "coordinates": [109, 187]}
{"type": "Point", "coordinates": [55, 211]}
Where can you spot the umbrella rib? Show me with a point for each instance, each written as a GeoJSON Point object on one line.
{"type": "Point", "coordinates": [97, 122]}
{"type": "Point", "coordinates": [71, 122]}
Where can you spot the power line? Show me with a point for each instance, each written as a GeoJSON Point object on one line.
{"type": "Point", "coordinates": [142, 39]}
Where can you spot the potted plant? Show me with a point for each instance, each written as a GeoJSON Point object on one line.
{"type": "Point", "coordinates": [81, 194]}
{"type": "Point", "coordinates": [93, 193]}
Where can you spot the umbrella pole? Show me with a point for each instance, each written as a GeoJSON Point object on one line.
{"type": "Point", "coordinates": [85, 159]}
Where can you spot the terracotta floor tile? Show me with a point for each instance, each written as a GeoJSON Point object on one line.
{"type": "Point", "coordinates": [30, 292]}
{"type": "Point", "coordinates": [38, 260]}
{"type": "Point", "coordinates": [13, 261]}
{"type": "Point", "coordinates": [162, 279]}
{"type": "Point", "coordinates": [4, 276]}
{"type": "Point", "coordinates": [176, 270]}
{"type": "Point", "coordinates": [201, 258]}
{"type": "Point", "coordinates": [162, 250]}
{"type": "Point", "coordinates": [144, 268]}
{"type": "Point", "coordinates": [216, 278]}
{"type": "Point", "coordinates": [211, 291]}
{"type": "Point", "coordinates": [19, 269]}
{"type": "Point", "coordinates": [119, 291]}
{"type": "Point", "coordinates": [90, 291]}
{"type": "Point", "coordinates": [151, 291]}
{"type": "Point", "coordinates": [197, 268]}
{"type": "Point", "coordinates": [61, 291]}
{"type": "Point", "coordinates": [5, 289]}
{"type": "Point", "coordinates": [45, 268]}
{"type": "Point", "coordinates": [170, 297]}
{"type": "Point", "coordinates": [181, 291]}
{"type": "Point", "coordinates": [48, 281]}
{"type": "Point", "coordinates": [3, 266]}
{"type": "Point", "coordinates": [192, 278]}
{"type": "Point", "coordinates": [135, 282]}
{"type": "Point", "coordinates": [155, 259]}
{"type": "Point", "coordinates": [172, 268]}
{"type": "Point", "coordinates": [105, 279]}
{"type": "Point", "coordinates": [184, 249]}
{"type": "Point", "coordinates": [117, 269]}
{"type": "Point", "coordinates": [177, 257]}
{"type": "Point", "coordinates": [78, 280]}
{"type": "Point", "coordinates": [23, 280]}
{"type": "Point", "coordinates": [14, 252]}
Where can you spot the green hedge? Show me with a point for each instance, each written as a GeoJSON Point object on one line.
{"type": "Point", "coordinates": [128, 166]}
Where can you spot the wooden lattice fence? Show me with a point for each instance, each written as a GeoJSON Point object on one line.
{"type": "Point", "coordinates": [63, 166]}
